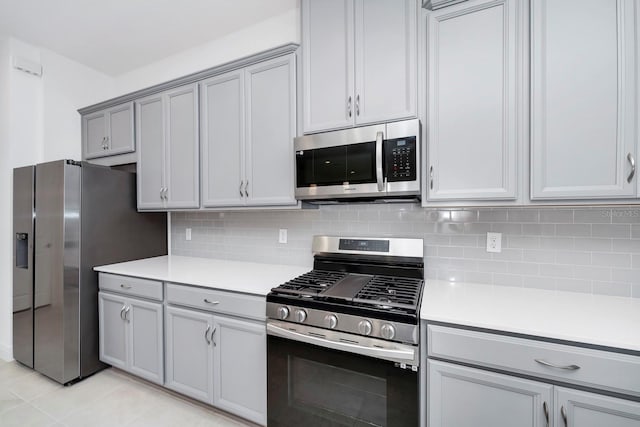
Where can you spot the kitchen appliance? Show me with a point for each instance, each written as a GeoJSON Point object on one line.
{"type": "Point", "coordinates": [67, 218]}
{"type": "Point", "coordinates": [342, 339]}
{"type": "Point", "coordinates": [371, 162]}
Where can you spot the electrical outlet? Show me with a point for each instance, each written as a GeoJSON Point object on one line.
{"type": "Point", "coordinates": [187, 234]}
{"type": "Point", "coordinates": [494, 242]}
{"type": "Point", "coordinates": [282, 237]}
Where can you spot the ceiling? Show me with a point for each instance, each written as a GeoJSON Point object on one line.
{"type": "Point", "coordinates": [116, 36]}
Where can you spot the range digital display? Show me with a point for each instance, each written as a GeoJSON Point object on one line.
{"type": "Point", "coordinates": [364, 245]}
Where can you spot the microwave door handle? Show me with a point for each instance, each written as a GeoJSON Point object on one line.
{"type": "Point", "coordinates": [379, 177]}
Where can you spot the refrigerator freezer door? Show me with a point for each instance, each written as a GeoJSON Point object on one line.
{"type": "Point", "coordinates": [23, 265]}
{"type": "Point", "coordinates": [57, 255]}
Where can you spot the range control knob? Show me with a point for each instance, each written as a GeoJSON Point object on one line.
{"type": "Point", "coordinates": [387, 331]}
{"type": "Point", "coordinates": [331, 321]}
{"type": "Point", "coordinates": [301, 315]}
{"type": "Point", "coordinates": [364, 327]}
{"type": "Point", "coordinates": [283, 312]}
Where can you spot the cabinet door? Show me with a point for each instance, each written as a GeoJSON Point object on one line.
{"type": "Point", "coordinates": [120, 137]}
{"type": "Point", "coordinates": [94, 133]}
{"type": "Point", "coordinates": [182, 145]}
{"type": "Point", "coordinates": [583, 88]}
{"type": "Point", "coordinates": [385, 60]}
{"type": "Point", "coordinates": [113, 330]}
{"type": "Point", "coordinates": [222, 132]}
{"type": "Point", "coordinates": [240, 370]}
{"type": "Point", "coordinates": [583, 409]}
{"type": "Point", "coordinates": [473, 83]}
{"type": "Point", "coordinates": [465, 397]}
{"type": "Point", "coordinates": [327, 64]}
{"type": "Point", "coordinates": [189, 353]}
{"type": "Point", "coordinates": [270, 115]}
{"type": "Point", "coordinates": [150, 135]}
{"type": "Point", "coordinates": [146, 347]}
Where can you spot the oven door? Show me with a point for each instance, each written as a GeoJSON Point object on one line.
{"type": "Point", "coordinates": [310, 385]}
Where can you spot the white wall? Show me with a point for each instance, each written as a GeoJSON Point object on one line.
{"type": "Point", "coordinates": [267, 34]}
{"type": "Point", "coordinates": [38, 122]}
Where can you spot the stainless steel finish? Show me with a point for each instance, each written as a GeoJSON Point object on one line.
{"type": "Point", "coordinates": [211, 302]}
{"type": "Point", "coordinates": [358, 105]}
{"type": "Point", "coordinates": [23, 214]}
{"type": "Point", "coordinates": [353, 136]}
{"type": "Point", "coordinates": [400, 247]}
{"type": "Point", "coordinates": [283, 313]}
{"type": "Point", "coordinates": [379, 176]}
{"type": "Point", "coordinates": [348, 323]}
{"type": "Point", "coordinates": [301, 315]}
{"type": "Point", "coordinates": [330, 321]}
{"type": "Point", "coordinates": [349, 106]}
{"type": "Point", "coordinates": [551, 365]}
{"type": "Point", "coordinates": [212, 338]}
{"type": "Point", "coordinates": [545, 408]}
{"type": "Point", "coordinates": [246, 186]}
{"type": "Point", "coordinates": [122, 312]}
{"type": "Point", "coordinates": [364, 327]}
{"type": "Point", "coordinates": [206, 334]}
{"type": "Point", "coordinates": [370, 347]}
{"type": "Point", "coordinates": [387, 331]}
{"type": "Point", "coordinates": [240, 188]}
{"type": "Point", "coordinates": [431, 178]}
{"type": "Point", "coordinates": [563, 413]}
{"type": "Point", "coordinates": [632, 162]}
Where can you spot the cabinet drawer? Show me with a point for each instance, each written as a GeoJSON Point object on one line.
{"type": "Point", "coordinates": [588, 367]}
{"type": "Point", "coordinates": [219, 301]}
{"type": "Point", "coordinates": [145, 288]}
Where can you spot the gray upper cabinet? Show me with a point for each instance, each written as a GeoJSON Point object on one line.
{"type": "Point", "coordinates": [108, 132]}
{"type": "Point", "coordinates": [582, 409]}
{"type": "Point", "coordinates": [168, 144]}
{"type": "Point", "coordinates": [358, 63]}
{"type": "Point", "coordinates": [584, 90]}
{"type": "Point", "coordinates": [247, 127]}
{"type": "Point", "coordinates": [475, 92]}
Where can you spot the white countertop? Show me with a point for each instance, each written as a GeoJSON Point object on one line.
{"type": "Point", "coordinates": [586, 318]}
{"type": "Point", "coordinates": [245, 277]}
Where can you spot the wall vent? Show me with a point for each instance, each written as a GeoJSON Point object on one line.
{"type": "Point", "coordinates": [28, 66]}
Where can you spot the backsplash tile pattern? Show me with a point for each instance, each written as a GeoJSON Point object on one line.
{"type": "Point", "coordinates": [591, 250]}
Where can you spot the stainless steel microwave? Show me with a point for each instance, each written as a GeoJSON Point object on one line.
{"type": "Point", "coordinates": [370, 162]}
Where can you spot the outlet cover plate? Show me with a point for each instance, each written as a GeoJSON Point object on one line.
{"type": "Point", "coordinates": [494, 242]}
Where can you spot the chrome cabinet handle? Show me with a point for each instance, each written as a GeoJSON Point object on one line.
{"type": "Point", "coordinates": [246, 185]}
{"type": "Point", "coordinates": [349, 106]}
{"type": "Point", "coordinates": [545, 408]}
{"type": "Point", "coordinates": [166, 193]}
{"type": "Point", "coordinates": [211, 302]}
{"type": "Point", "coordinates": [123, 286]}
{"type": "Point", "coordinates": [431, 178]}
{"type": "Point", "coordinates": [632, 162]}
{"type": "Point", "coordinates": [122, 312]}
{"type": "Point", "coordinates": [357, 105]}
{"type": "Point", "coordinates": [102, 144]}
{"type": "Point", "coordinates": [212, 339]}
{"type": "Point", "coordinates": [126, 314]}
{"type": "Point", "coordinates": [563, 412]}
{"type": "Point", "coordinates": [379, 177]}
{"type": "Point", "coordinates": [240, 188]}
{"type": "Point", "coordinates": [206, 334]}
{"type": "Point", "coordinates": [106, 142]}
{"type": "Point", "coordinates": [551, 365]}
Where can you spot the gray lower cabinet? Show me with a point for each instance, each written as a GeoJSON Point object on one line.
{"type": "Point", "coordinates": [168, 150]}
{"type": "Point", "coordinates": [108, 132]}
{"type": "Point", "coordinates": [576, 408]}
{"type": "Point", "coordinates": [248, 125]}
{"type": "Point", "coordinates": [131, 335]}
{"type": "Point", "coordinates": [460, 396]}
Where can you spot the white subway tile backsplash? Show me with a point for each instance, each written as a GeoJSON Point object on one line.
{"type": "Point", "coordinates": [590, 249]}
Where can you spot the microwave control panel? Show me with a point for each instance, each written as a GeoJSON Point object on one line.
{"type": "Point", "coordinates": [400, 159]}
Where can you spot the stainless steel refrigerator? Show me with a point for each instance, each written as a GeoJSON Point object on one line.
{"type": "Point", "coordinates": [67, 218]}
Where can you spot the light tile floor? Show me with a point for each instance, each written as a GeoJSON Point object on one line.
{"type": "Point", "coordinates": [108, 398]}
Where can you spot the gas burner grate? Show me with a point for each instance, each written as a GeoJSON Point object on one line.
{"type": "Point", "coordinates": [391, 291]}
{"type": "Point", "coordinates": [313, 282]}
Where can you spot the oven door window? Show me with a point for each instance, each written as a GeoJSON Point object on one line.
{"type": "Point", "coordinates": [313, 386]}
{"type": "Point", "coordinates": [353, 164]}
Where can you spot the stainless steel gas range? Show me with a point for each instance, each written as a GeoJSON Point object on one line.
{"type": "Point", "coordinates": [343, 338]}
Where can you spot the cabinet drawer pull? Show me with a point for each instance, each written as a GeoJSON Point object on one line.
{"type": "Point", "coordinates": [431, 178]}
{"type": "Point", "coordinates": [357, 105]}
{"type": "Point", "coordinates": [545, 408]}
{"type": "Point", "coordinates": [213, 339]}
{"type": "Point", "coordinates": [551, 365]}
{"type": "Point", "coordinates": [126, 314]}
{"type": "Point", "coordinates": [122, 312]}
{"type": "Point", "coordinates": [246, 185]}
{"type": "Point", "coordinates": [349, 106]}
{"type": "Point", "coordinates": [125, 286]}
{"type": "Point", "coordinates": [206, 334]}
{"type": "Point", "coordinates": [240, 188]}
{"type": "Point", "coordinates": [211, 302]}
{"type": "Point", "coordinates": [563, 412]}
{"type": "Point", "coordinates": [632, 162]}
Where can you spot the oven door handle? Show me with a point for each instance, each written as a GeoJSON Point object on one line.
{"type": "Point", "coordinates": [379, 174]}
{"type": "Point", "coordinates": [396, 355]}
